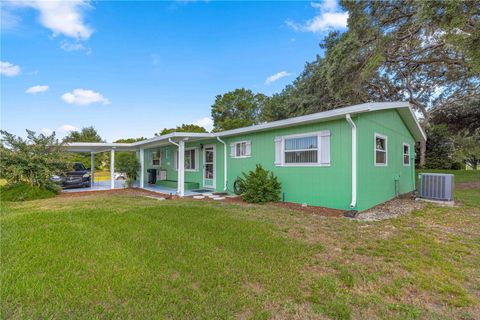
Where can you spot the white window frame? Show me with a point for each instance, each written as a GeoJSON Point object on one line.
{"type": "Point", "coordinates": [159, 158]}
{"type": "Point", "coordinates": [379, 135]}
{"type": "Point", "coordinates": [236, 156]}
{"type": "Point", "coordinates": [196, 160]}
{"type": "Point", "coordinates": [404, 154]}
{"type": "Point", "coordinates": [318, 134]}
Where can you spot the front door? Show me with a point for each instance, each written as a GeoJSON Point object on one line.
{"type": "Point", "coordinates": [209, 166]}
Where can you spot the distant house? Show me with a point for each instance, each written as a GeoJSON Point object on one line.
{"type": "Point", "coordinates": [349, 158]}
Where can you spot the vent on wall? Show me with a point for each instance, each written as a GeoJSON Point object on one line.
{"type": "Point", "coordinates": [436, 186]}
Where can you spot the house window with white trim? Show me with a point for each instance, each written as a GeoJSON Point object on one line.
{"type": "Point", "coordinates": [308, 149]}
{"type": "Point", "coordinates": [380, 150]}
{"type": "Point", "coordinates": [190, 159]}
{"type": "Point", "coordinates": [301, 150]}
{"type": "Point", "coordinates": [156, 158]}
{"type": "Point", "coordinates": [241, 149]}
{"type": "Point", "coordinates": [406, 154]}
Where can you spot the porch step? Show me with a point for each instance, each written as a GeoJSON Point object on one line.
{"type": "Point", "coordinates": [198, 197]}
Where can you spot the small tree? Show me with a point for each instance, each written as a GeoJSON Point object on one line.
{"type": "Point", "coordinates": [260, 186]}
{"type": "Point", "coordinates": [128, 163]}
{"type": "Point", "coordinates": [33, 160]}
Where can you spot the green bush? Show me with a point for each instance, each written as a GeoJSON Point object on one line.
{"type": "Point", "coordinates": [24, 192]}
{"type": "Point", "coordinates": [458, 166]}
{"type": "Point", "coordinates": [128, 163]}
{"type": "Point", "coordinates": [260, 186]}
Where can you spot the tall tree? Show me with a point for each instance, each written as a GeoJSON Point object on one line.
{"type": "Point", "coordinates": [238, 108]}
{"type": "Point", "coordinates": [86, 134]}
{"type": "Point", "coordinates": [183, 128]}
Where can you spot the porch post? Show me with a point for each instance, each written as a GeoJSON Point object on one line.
{"type": "Point", "coordinates": [181, 168]}
{"type": "Point", "coordinates": [92, 168]}
{"type": "Point", "coordinates": [142, 167]}
{"type": "Point", "coordinates": [112, 169]}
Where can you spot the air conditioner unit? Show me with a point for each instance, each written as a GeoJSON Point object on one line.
{"type": "Point", "coordinates": [436, 186]}
{"type": "Point", "coordinates": [161, 175]}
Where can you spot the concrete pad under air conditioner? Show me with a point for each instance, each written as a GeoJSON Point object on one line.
{"type": "Point", "coordinates": [438, 202]}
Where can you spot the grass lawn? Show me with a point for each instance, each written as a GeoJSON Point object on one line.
{"type": "Point", "coordinates": [117, 256]}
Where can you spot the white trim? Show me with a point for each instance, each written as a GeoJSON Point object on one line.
{"type": "Point", "coordinates": [112, 169]}
{"type": "Point", "coordinates": [379, 135]}
{"type": "Point", "coordinates": [318, 134]}
{"type": "Point", "coordinates": [235, 148]}
{"type": "Point", "coordinates": [225, 181]}
{"type": "Point", "coordinates": [142, 168]}
{"type": "Point", "coordinates": [214, 179]}
{"type": "Point", "coordinates": [353, 204]}
{"type": "Point", "coordinates": [403, 154]}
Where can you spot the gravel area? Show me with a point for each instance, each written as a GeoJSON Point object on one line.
{"type": "Point", "coordinates": [391, 209]}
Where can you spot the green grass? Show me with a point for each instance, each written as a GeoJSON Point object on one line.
{"type": "Point", "coordinates": [118, 256]}
{"type": "Point", "coordinates": [460, 175]}
{"type": "Point", "coordinates": [24, 192]}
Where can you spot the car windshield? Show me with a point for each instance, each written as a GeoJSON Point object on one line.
{"type": "Point", "coordinates": [78, 167]}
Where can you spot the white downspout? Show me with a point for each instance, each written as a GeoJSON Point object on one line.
{"type": "Point", "coordinates": [353, 204]}
{"type": "Point", "coordinates": [224, 164]}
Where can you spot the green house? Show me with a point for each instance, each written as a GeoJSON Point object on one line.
{"type": "Point", "coordinates": [348, 158]}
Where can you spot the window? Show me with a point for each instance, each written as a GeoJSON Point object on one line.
{"type": "Point", "coordinates": [190, 160]}
{"type": "Point", "coordinates": [241, 149]}
{"type": "Point", "coordinates": [380, 150]}
{"type": "Point", "coordinates": [406, 154]}
{"type": "Point", "coordinates": [311, 149]}
{"type": "Point", "coordinates": [301, 150]}
{"type": "Point", "coordinates": [156, 158]}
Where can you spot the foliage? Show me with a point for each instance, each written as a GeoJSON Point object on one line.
{"type": "Point", "coordinates": [468, 148]}
{"type": "Point", "coordinates": [440, 148]}
{"type": "Point", "coordinates": [461, 117]}
{"type": "Point", "coordinates": [86, 134]}
{"type": "Point", "coordinates": [127, 162]}
{"type": "Point", "coordinates": [33, 160]}
{"type": "Point", "coordinates": [183, 128]}
{"type": "Point", "coordinates": [24, 192]}
{"type": "Point", "coordinates": [130, 140]}
{"type": "Point", "coordinates": [238, 108]}
{"type": "Point", "coordinates": [260, 186]}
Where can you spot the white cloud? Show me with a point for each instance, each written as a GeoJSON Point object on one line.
{"type": "Point", "coordinates": [46, 131]}
{"type": "Point", "coordinates": [8, 69]}
{"type": "Point", "coordinates": [36, 89]}
{"type": "Point", "coordinates": [84, 97]}
{"type": "Point", "coordinates": [67, 128]}
{"type": "Point", "coordinates": [61, 17]}
{"type": "Point", "coordinates": [205, 122]}
{"type": "Point", "coordinates": [277, 76]}
{"type": "Point", "coordinates": [76, 46]}
{"type": "Point", "coordinates": [330, 17]}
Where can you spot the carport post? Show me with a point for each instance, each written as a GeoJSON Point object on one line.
{"type": "Point", "coordinates": [142, 167]}
{"type": "Point", "coordinates": [112, 169]}
{"type": "Point", "coordinates": [92, 168]}
{"type": "Point", "coordinates": [181, 168]}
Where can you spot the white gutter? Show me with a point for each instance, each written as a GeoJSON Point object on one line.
{"type": "Point", "coordinates": [224, 164]}
{"type": "Point", "coordinates": [353, 204]}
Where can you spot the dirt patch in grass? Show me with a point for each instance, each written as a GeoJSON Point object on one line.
{"type": "Point", "coordinates": [125, 191]}
{"type": "Point", "coordinates": [391, 209]}
{"type": "Point", "coordinates": [468, 185]}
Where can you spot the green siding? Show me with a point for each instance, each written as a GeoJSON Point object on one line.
{"type": "Point", "coordinates": [376, 184]}
{"type": "Point", "coordinates": [327, 186]}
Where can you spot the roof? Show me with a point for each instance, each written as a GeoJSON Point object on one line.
{"type": "Point", "coordinates": [404, 109]}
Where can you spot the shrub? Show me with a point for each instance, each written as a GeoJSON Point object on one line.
{"type": "Point", "coordinates": [33, 160]}
{"type": "Point", "coordinates": [458, 166]}
{"type": "Point", "coordinates": [260, 186]}
{"type": "Point", "coordinates": [24, 192]}
{"type": "Point", "coordinates": [128, 163]}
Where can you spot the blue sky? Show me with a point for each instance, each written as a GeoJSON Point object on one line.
{"type": "Point", "coordinates": [133, 68]}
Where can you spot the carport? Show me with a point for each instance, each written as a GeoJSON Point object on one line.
{"type": "Point", "coordinates": [98, 147]}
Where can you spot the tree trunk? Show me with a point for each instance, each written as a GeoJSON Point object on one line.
{"type": "Point", "coordinates": [423, 150]}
